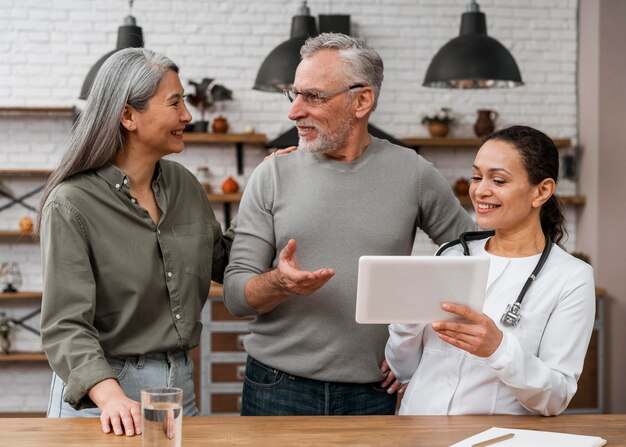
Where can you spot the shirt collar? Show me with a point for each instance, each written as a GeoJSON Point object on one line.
{"type": "Point", "coordinates": [117, 179]}
{"type": "Point", "coordinates": [113, 176]}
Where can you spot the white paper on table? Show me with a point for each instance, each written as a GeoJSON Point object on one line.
{"type": "Point", "coordinates": [534, 438]}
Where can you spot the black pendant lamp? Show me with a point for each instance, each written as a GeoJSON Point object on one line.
{"type": "Point", "coordinates": [473, 60]}
{"type": "Point", "coordinates": [129, 35]}
{"type": "Point", "coordinates": [278, 70]}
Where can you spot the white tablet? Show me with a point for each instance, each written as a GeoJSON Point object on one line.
{"type": "Point", "coordinates": [410, 289]}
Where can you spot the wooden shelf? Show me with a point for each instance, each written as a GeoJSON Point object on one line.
{"type": "Point", "coordinates": [565, 200]}
{"type": "Point", "coordinates": [225, 138]}
{"type": "Point", "coordinates": [225, 198]}
{"type": "Point", "coordinates": [21, 296]}
{"type": "Point", "coordinates": [11, 236]}
{"type": "Point", "coordinates": [473, 143]}
{"type": "Point", "coordinates": [25, 172]}
{"type": "Point", "coordinates": [572, 200]}
{"type": "Point", "coordinates": [24, 357]}
{"type": "Point", "coordinates": [38, 110]}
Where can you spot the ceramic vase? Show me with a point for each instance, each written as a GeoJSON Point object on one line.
{"type": "Point", "coordinates": [486, 122]}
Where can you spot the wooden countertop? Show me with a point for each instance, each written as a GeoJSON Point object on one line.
{"type": "Point", "coordinates": [430, 431]}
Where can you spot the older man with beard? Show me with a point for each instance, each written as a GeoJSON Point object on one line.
{"type": "Point", "coordinates": [341, 195]}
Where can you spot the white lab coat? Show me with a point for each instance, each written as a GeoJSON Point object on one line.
{"type": "Point", "coordinates": [536, 367]}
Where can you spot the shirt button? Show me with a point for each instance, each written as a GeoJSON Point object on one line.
{"type": "Point", "coordinates": [158, 231]}
{"type": "Point", "coordinates": [170, 274]}
{"type": "Point", "coordinates": [178, 316]}
{"type": "Point", "coordinates": [133, 200]}
{"type": "Point", "coordinates": [125, 181]}
{"type": "Point", "coordinates": [117, 186]}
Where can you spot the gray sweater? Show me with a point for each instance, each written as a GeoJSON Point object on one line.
{"type": "Point", "coordinates": [336, 212]}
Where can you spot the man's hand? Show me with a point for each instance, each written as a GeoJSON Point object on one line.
{"type": "Point", "coordinates": [478, 335]}
{"type": "Point", "coordinates": [391, 383]}
{"type": "Point", "coordinates": [293, 279]}
{"type": "Point", "coordinates": [119, 412]}
{"type": "Point", "coordinates": [266, 291]}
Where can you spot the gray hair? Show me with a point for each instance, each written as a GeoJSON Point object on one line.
{"type": "Point", "coordinates": [131, 76]}
{"type": "Point", "coordinates": [363, 63]}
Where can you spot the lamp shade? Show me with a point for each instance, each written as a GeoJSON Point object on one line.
{"type": "Point", "coordinates": [278, 70]}
{"type": "Point", "coordinates": [473, 60]}
{"type": "Point", "coordinates": [129, 35]}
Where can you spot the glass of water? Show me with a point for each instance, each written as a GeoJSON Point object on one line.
{"type": "Point", "coordinates": [162, 417]}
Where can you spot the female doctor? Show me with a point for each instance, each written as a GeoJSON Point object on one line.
{"type": "Point", "coordinates": [524, 353]}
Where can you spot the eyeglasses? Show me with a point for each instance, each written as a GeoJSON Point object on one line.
{"type": "Point", "coordinates": [316, 98]}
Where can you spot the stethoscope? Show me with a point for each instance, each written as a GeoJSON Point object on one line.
{"type": "Point", "coordinates": [512, 315]}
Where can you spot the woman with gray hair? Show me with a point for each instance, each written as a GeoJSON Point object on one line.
{"type": "Point", "coordinates": [129, 247]}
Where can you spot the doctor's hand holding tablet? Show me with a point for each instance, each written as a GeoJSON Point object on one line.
{"type": "Point", "coordinates": [478, 334]}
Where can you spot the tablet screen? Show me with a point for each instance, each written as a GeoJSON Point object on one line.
{"type": "Point", "coordinates": [410, 289]}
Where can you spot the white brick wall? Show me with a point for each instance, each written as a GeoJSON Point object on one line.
{"type": "Point", "coordinates": [48, 47]}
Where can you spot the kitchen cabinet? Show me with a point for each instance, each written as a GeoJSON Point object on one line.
{"type": "Point", "coordinates": [226, 359]}
{"type": "Point", "coordinates": [591, 385]}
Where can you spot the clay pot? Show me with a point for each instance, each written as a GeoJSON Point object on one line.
{"type": "Point", "coordinates": [438, 129]}
{"type": "Point", "coordinates": [230, 186]}
{"type": "Point", "coordinates": [26, 224]}
{"type": "Point", "coordinates": [485, 123]}
{"type": "Point", "coordinates": [220, 125]}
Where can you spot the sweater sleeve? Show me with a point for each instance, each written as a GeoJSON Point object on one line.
{"type": "Point", "coordinates": [546, 383]}
{"type": "Point", "coordinates": [69, 338]}
{"type": "Point", "coordinates": [254, 248]}
{"type": "Point", "coordinates": [441, 215]}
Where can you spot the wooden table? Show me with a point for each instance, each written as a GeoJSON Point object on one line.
{"type": "Point", "coordinates": [430, 431]}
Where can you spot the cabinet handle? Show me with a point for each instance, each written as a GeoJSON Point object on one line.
{"type": "Point", "coordinates": [239, 402]}
{"type": "Point", "coordinates": [241, 372]}
{"type": "Point", "coordinates": [240, 338]}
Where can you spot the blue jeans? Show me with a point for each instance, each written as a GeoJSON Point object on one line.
{"type": "Point", "coordinates": [171, 369]}
{"type": "Point", "coordinates": [270, 392]}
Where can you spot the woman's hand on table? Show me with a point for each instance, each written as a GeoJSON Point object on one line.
{"type": "Point", "coordinates": [119, 413]}
{"type": "Point", "coordinates": [477, 334]}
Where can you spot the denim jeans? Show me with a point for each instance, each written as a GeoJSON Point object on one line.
{"type": "Point", "coordinates": [270, 392]}
{"type": "Point", "coordinates": [171, 369]}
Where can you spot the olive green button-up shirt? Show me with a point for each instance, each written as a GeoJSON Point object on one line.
{"type": "Point", "coordinates": [116, 284]}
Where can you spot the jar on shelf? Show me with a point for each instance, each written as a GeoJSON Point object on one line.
{"type": "Point", "coordinates": [230, 186]}
{"type": "Point", "coordinates": [220, 124]}
{"type": "Point", "coordinates": [204, 177]}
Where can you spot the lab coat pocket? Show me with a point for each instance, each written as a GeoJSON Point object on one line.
{"type": "Point", "coordinates": [196, 248]}
{"type": "Point", "coordinates": [530, 330]}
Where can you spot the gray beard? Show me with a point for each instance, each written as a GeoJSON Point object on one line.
{"type": "Point", "coordinates": [325, 142]}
